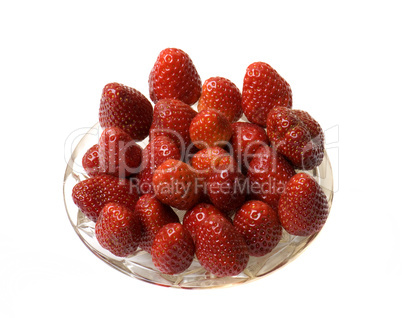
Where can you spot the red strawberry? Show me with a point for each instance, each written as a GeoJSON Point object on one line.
{"type": "Point", "coordinates": [90, 195]}
{"type": "Point", "coordinates": [90, 161]}
{"type": "Point", "coordinates": [173, 249]}
{"type": "Point", "coordinates": [118, 229]}
{"type": "Point", "coordinates": [220, 249]}
{"type": "Point", "coordinates": [303, 207]}
{"type": "Point", "coordinates": [222, 95]}
{"type": "Point", "coordinates": [153, 215]}
{"type": "Point", "coordinates": [226, 186]}
{"type": "Point", "coordinates": [172, 118]}
{"type": "Point", "coordinates": [297, 136]}
{"type": "Point", "coordinates": [246, 139]}
{"type": "Point", "coordinates": [193, 217]}
{"type": "Point", "coordinates": [263, 89]}
{"type": "Point", "coordinates": [155, 153]}
{"type": "Point", "coordinates": [259, 224]}
{"type": "Point", "coordinates": [119, 155]}
{"type": "Point", "coordinates": [174, 76]}
{"type": "Point", "coordinates": [268, 174]}
{"type": "Point", "coordinates": [124, 107]}
{"type": "Point", "coordinates": [206, 159]}
{"type": "Point", "coordinates": [209, 128]}
{"type": "Point", "coordinates": [204, 162]}
{"type": "Point", "coordinates": [176, 184]}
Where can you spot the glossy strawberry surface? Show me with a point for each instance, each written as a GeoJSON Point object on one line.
{"type": "Point", "coordinates": [297, 136]}
{"type": "Point", "coordinates": [227, 188]}
{"type": "Point", "coordinates": [209, 128]}
{"type": "Point", "coordinates": [173, 249]}
{"type": "Point", "coordinates": [125, 107]}
{"type": "Point", "coordinates": [245, 141]}
{"type": "Point", "coordinates": [119, 154]}
{"type": "Point", "coordinates": [153, 214]}
{"type": "Point", "coordinates": [263, 89]}
{"type": "Point", "coordinates": [303, 207]}
{"type": "Point", "coordinates": [222, 95]}
{"type": "Point", "coordinates": [268, 175]}
{"type": "Point", "coordinates": [259, 224]}
{"type": "Point", "coordinates": [90, 195]}
{"type": "Point", "coordinates": [195, 216]}
{"type": "Point", "coordinates": [90, 161]}
{"type": "Point", "coordinates": [172, 118]}
{"type": "Point", "coordinates": [220, 249]}
{"type": "Point", "coordinates": [176, 184]}
{"type": "Point", "coordinates": [174, 76]}
{"type": "Point", "coordinates": [154, 154]}
{"type": "Point", "coordinates": [118, 229]}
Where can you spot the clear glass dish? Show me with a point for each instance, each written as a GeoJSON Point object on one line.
{"type": "Point", "coordinates": [140, 264]}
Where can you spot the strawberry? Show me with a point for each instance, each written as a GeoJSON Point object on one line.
{"type": "Point", "coordinates": [263, 89]}
{"type": "Point", "coordinates": [173, 249]}
{"type": "Point", "coordinates": [246, 139]}
{"type": "Point", "coordinates": [297, 136]}
{"type": "Point", "coordinates": [90, 161]}
{"type": "Point", "coordinates": [153, 214]}
{"type": "Point", "coordinates": [204, 162]}
{"type": "Point", "coordinates": [259, 224]}
{"type": "Point", "coordinates": [198, 214]}
{"type": "Point", "coordinates": [268, 174]}
{"type": "Point", "coordinates": [303, 207]}
{"type": "Point", "coordinates": [209, 128]}
{"type": "Point", "coordinates": [222, 95]}
{"type": "Point", "coordinates": [174, 76]}
{"type": "Point", "coordinates": [176, 184]}
{"type": "Point", "coordinates": [220, 249]}
{"type": "Point", "coordinates": [226, 186]}
{"type": "Point", "coordinates": [118, 229]}
{"type": "Point", "coordinates": [172, 118]}
{"type": "Point", "coordinates": [125, 107]}
{"type": "Point", "coordinates": [119, 155]}
{"type": "Point", "coordinates": [155, 153]}
{"type": "Point", "coordinates": [90, 195]}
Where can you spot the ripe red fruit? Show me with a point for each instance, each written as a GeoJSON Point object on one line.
{"type": "Point", "coordinates": [119, 155]}
{"type": "Point", "coordinates": [268, 174]}
{"type": "Point", "coordinates": [125, 107]}
{"type": "Point", "coordinates": [205, 160]}
{"type": "Point", "coordinates": [175, 183]}
{"type": "Point", "coordinates": [204, 163]}
{"type": "Point", "coordinates": [263, 89]}
{"type": "Point", "coordinates": [259, 224]}
{"type": "Point", "coordinates": [227, 187]}
{"type": "Point", "coordinates": [118, 230]}
{"type": "Point", "coordinates": [90, 195]}
{"type": "Point", "coordinates": [220, 249]}
{"type": "Point", "coordinates": [303, 208]}
{"type": "Point", "coordinates": [246, 139]}
{"type": "Point", "coordinates": [154, 154]}
{"type": "Point", "coordinates": [209, 128]}
{"type": "Point", "coordinates": [173, 249]}
{"type": "Point", "coordinates": [222, 95]}
{"type": "Point", "coordinates": [174, 76]}
{"type": "Point", "coordinates": [193, 217]}
{"type": "Point", "coordinates": [90, 161]}
{"type": "Point", "coordinates": [297, 136]}
{"type": "Point", "coordinates": [172, 118]}
{"type": "Point", "coordinates": [153, 214]}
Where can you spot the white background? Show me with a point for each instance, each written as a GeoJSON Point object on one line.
{"type": "Point", "coordinates": [343, 62]}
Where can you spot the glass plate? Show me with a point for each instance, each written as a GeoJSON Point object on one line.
{"type": "Point", "coordinates": [140, 264]}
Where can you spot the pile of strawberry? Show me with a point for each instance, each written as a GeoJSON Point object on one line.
{"type": "Point", "coordinates": [240, 184]}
